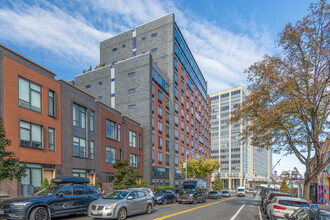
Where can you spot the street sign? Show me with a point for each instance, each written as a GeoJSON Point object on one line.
{"type": "Point", "coordinates": [185, 165]}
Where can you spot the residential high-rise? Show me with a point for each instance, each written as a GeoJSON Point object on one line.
{"type": "Point", "coordinates": [151, 76]}
{"type": "Point", "coordinates": [242, 164]}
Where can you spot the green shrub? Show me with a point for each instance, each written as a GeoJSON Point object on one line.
{"type": "Point", "coordinates": [44, 184]}
{"type": "Point", "coordinates": [163, 188]}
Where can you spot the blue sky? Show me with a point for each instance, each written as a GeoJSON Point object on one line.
{"type": "Point", "coordinates": [224, 36]}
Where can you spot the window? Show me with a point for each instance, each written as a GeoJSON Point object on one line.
{"type": "Point", "coordinates": [176, 160]}
{"type": "Point", "coordinates": [131, 74]}
{"type": "Point", "coordinates": [167, 131]}
{"type": "Point", "coordinates": [110, 154]}
{"type": "Point", "coordinates": [160, 127]}
{"type": "Point", "coordinates": [119, 132]}
{"type": "Point", "coordinates": [160, 111]}
{"type": "Point", "coordinates": [160, 98]}
{"type": "Point", "coordinates": [51, 139]}
{"type": "Point", "coordinates": [176, 77]}
{"type": "Point", "coordinates": [120, 154]}
{"type": "Point", "coordinates": [160, 157]}
{"type": "Point", "coordinates": [79, 116]}
{"type": "Point", "coordinates": [123, 46]}
{"type": "Point", "coordinates": [51, 103]}
{"type": "Point", "coordinates": [176, 106]}
{"type": "Point", "coordinates": [91, 120]}
{"type": "Point", "coordinates": [30, 135]}
{"type": "Point", "coordinates": [143, 38]}
{"type": "Point", "coordinates": [79, 147]}
{"type": "Point", "coordinates": [131, 106]}
{"type": "Point", "coordinates": [154, 35]}
{"type": "Point", "coordinates": [154, 50]}
{"type": "Point", "coordinates": [100, 97]}
{"type": "Point", "coordinates": [167, 117]}
{"type": "Point", "coordinates": [182, 73]}
{"type": "Point", "coordinates": [92, 150]}
{"type": "Point", "coordinates": [182, 86]}
{"type": "Point", "coordinates": [160, 142]}
{"type": "Point", "coordinates": [111, 130]}
{"type": "Point", "coordinates": [131, 90]}
{"type": "Point", "coordinates": [176, 92]}
{"type": "Point", "coordinates": [29, 95]}
{"type": "Point", "coordinates": [132, 139]}
{"type": "Point", "coordinates": [134, 42]}
{"type": "Point", "coordinates": [134, 53]}
{"type": "Point", "coordinates": [114, 49]}
{"type": "Point", "coordinates": [140, 141]}
{"type": "Point", "coordinates": [133, 160]}
{"type": "Point", "coordinates": [88, 86]}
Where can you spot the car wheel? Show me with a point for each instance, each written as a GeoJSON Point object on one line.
{"type": "Point", "coordinates": [164, 201]}
{"type": "Point", "coordinates": [39, 213]}
{"type": "Point", "coordinates": [174, 200]}
{"type": "Point", "coordinates": [122, 214]}
{"type": "Point", "coordinates": [195, 201]}
{"type": "Point", "coordinates": [149, 209]}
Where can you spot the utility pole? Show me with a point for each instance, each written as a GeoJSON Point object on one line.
{"type": "Point", "coordinates": [186, 165]}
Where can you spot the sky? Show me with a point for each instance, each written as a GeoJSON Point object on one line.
{"type": "Point", "coordinates": [225, 37]}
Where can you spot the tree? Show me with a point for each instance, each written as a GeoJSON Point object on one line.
{"type": "Point", "coordinates": [218, 184]}
{"type": "Point", "coordinates": [199, 167]}
{"type": "Point", "coordinates": [44, 184]}
{"type": "Point", "coordinates": [125, 177]}
{"type": "Point", "coordinates": [9, 163]}
{"type": "Point", "coordinates": [288, 103]}
{"type": "Point", "coordinates": [284, 187]}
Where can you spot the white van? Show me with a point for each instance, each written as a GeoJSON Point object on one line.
{"type": "Point", "coordinates": [240, 191]}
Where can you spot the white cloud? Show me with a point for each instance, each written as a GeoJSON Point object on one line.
{"type": "Point", "coordinates": [73, 31]}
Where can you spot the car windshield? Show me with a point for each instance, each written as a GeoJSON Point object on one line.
{"type": "Point", "coordinates": [188, 187]}
{"type": "Point", "coordinates": [293, 203]}
{"type": "Point", "coordinates": [159, 192]}
{"type": "Point", "coordinates": [225, 191]}
{"type": "Point", "coordinates": [47, 191]}
{"type": "Point", "coordinates": [214, 192]}
{"type": "Point", "coordinates": [240, 190]}
{"type": "Point", "coordinates": [277, 194]}
{"type": "Point", "coordinates": [116, 195]}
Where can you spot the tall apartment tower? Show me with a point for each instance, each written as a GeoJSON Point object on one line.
{"type": "Point", "coordinates": [151, 76]}
{"type": "Point", "coordinates": [242, 164]}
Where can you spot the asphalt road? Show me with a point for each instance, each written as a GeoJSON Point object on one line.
{"type": "Point", "coordinates": [233, 208]}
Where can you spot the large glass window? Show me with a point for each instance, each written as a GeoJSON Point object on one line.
{"type": "Point", "coordinates": [111, 130]}
{"type": "Point", "coordinates": [51, 103]}
{"type": "Point", "coordinates": [119, 132]}
{"type": "Point", "coordinates": [33, 175]}
{"type": "Point", "coordinates": [51, 139]}
{"type": "Point", "coordinates": [79, 116]}
{"type": "Point", "coordinates": [132, 139]}
{"type": "Point", "coordinates": [29, 95]}
{"type": "Point", "coordinates": [133, 160]}
{"type": "Point", "coordinates": [110, 154]}
{"type": "Point", "coordinates": [79, 147]}
{"type": "Point", "coordinates": [160, 142]}
{"type": "Point", "coordinates": [31, 135]}
{"type": "Point", "coordinates": [140, 141]}
{"type": "Point", "coordinates": [160, 127]}
{"type": "Point", "coordinates": [160, 98]}
{"type": "Point", "coordinates": [160, 111]}
{"type": "Point", "coordinates": [160, 157]}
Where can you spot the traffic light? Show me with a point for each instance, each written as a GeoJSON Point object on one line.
{"type": "Point", "coordinates": [230, 180]}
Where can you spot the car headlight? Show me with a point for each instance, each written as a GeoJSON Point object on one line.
{"type": "Point", "coordinates": [191, 195]}
{"type": "Point", "coordinates": [20, 203]}
{"type": "Point", "coordinates": [160, 197]}
{"type": "Point", "coordinates": [112, 206]}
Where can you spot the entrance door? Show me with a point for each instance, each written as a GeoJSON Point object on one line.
{"type": "Point", "coordinates": [91, 177]}
{"type": "Point", "coordinates": [48, 174]}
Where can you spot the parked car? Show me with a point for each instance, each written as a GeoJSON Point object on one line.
{"type": "Point", "coordinates": [70, 196]}
{"type": "Point", "coordinates": [149, 191]}
{"type": "Point", "coordinates": [165, 196]}
{"type": "Point", "coordinates": [225, 193]}
{"type": "Point", "coordinates": [214, 195]}
{"type": "Point", "coordinates": [263, 194]}
{"type": "Point", "coordinates": [308, 213]}
{"type": "Point", "coordinates": [279, 206]}
{"type": "Point", "coordinates": [120, 204]}
{"type": "Point", "coordinates": [269, 198]}
{"type": "Point", "coordinates": [192, 191]}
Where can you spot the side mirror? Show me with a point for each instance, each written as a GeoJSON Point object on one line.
{"type": "Point", "coordinates": [60, 195]}
{"type": "Point", "coordinates": [130, 197]}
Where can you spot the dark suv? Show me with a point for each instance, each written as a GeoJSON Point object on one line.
{"type": "Point", "coordinates": [71, 195]}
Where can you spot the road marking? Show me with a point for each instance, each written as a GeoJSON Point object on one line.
{"type": "Point", "coordinates": [260, 216]}
{"type": "Point", "coordinates": [189, 210]}
{"type": "Point", "coordinates": [232, 218]}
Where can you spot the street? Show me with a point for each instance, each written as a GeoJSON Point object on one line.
{"type": "Point", "coordinates": [233, 208]}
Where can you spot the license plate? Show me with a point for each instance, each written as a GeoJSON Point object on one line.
{"type": "Point", "coordinates": [183, 200]}
{"type": "Point", "coordinates": [2, 212]}
{"type": "Point", "coordinates": [95, 212]}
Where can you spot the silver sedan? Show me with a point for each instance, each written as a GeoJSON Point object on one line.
{"type": "Point", "coordinates": [121, 203]}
